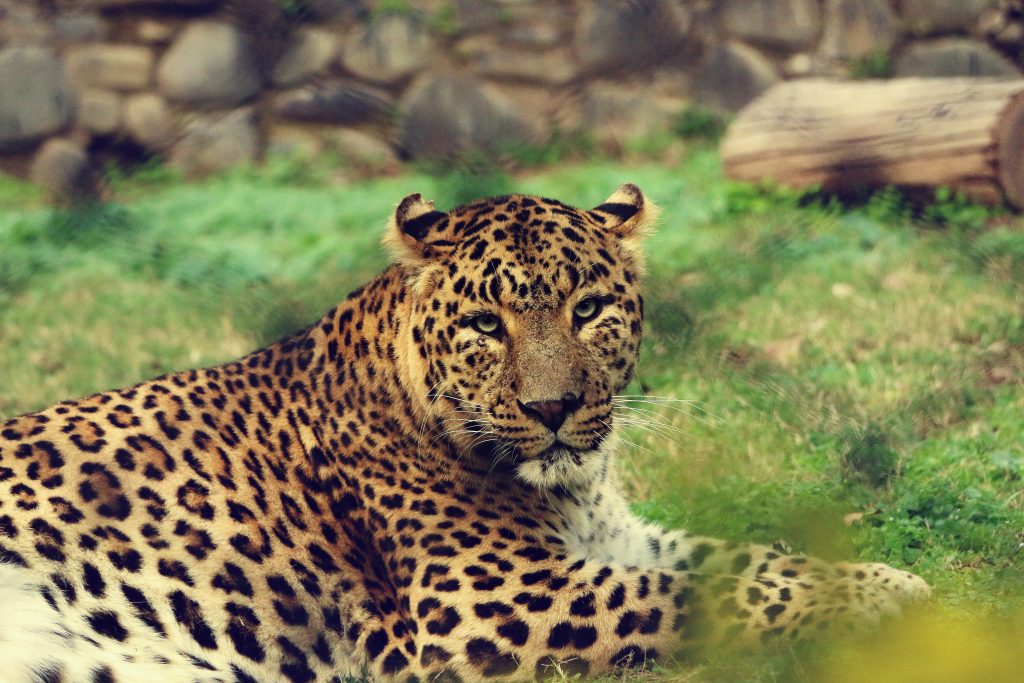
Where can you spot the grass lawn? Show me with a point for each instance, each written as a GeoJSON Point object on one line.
{"type": "Point", "coordinates": [854, 377]}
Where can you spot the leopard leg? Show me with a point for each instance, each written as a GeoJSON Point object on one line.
{"type": "Point", "coordinates": [594, 618]}
{"type": "Point", "coordinates": [611, 531]}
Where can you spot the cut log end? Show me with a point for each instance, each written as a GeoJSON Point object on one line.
{"type": "Point", "coordinates": [916, 134]}
{"type": "Point", "coordinates": [1010, 136]}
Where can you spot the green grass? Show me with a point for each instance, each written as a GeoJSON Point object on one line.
{"type": "Point", "coordinates": [857, 374]}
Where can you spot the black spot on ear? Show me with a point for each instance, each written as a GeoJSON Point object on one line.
{"type": "Point", "coordinates": [418, 227]}
{"type": "Point", "coordinates": [621, 211]}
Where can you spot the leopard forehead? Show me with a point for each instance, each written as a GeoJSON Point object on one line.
{"type": "Point", "coordinates": [526, 253]}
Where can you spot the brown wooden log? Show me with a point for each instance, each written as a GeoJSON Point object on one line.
{"type": "Point", "coordinates": [966, 134]}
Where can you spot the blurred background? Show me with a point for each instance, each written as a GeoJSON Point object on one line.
{"type": "Point", "coordinates": [208, 84]}
{"type": "Point", "coordinates": [187, 180]}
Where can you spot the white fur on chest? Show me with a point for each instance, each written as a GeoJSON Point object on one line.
{"type": "Point", "coordinates": [598, 524]}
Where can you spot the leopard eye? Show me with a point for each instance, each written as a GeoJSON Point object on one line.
{"type": "Point", "coordinates": [587, 309]}
{"type": "Point", "coordinates": [487, 323]}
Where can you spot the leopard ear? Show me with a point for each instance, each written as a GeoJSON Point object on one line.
{"type": "Point", "coordinates": [627, 214]}
{"type": "Point", "coordinates": [417, 231]}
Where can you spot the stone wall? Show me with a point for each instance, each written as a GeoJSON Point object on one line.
{"type": "Point", "coordinates": [205, 84]}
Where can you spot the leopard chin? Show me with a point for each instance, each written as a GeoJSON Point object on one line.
{"type": "Point", "coordinates": [566, 467]}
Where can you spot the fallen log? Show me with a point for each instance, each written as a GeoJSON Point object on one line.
{"type": "Point", "coordinates": [914, 133]}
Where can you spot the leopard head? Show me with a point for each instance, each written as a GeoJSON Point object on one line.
{"type": "Point", "coordinates": [526, 319]}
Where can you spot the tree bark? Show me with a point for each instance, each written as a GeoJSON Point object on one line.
{"type": "Point", "coordinates": [966, 134]}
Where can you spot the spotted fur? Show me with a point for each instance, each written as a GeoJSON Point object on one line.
{"type": "Point", "coordinates": [420, 486]}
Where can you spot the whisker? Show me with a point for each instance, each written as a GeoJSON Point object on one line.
{"type": "Point", "coordinates": [653, 398]}
{"type": "Point", "coordinates": [661, 423]}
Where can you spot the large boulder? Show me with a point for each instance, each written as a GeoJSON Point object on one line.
{"type": "Point", "coordinates": [79, 27]}
{"type": "Point", "coordinates": [927, 17]}
{"type": "Point", "coordinates": [449, 114]}
{"type": "Point", "coordinates": [855, 29]}
{"type": "Point", "coordinates": [783, 24]}
{"type": "Point", "coordinates": [147, 120]}
{"type": "Point", "coordinates": [326, 10]}
{"type": "Point", "coordinates": [216, 142]}
{"type": "Point", "coordinates": [99, 111]}
{"type": "Point", "coordinates": [117, 4]}
{"type": "Point", "coordinates": [361, 151]}
{"type": "Point", "coordinates": [211, 64]}
{"type": "Point", "coordinates": [121, 67]}
{"type": "Point", "coordinates": [62, 167]}
{"type": "Point", "coordinates": [731, 75]}
{"type": "Point", "coordinates": [24, 23]}
{"type": "Point", "coordinates": [338, 102]}
{"type": "Point", "coordinates": [389, 49]}
{"type": "Point", "coordinates": [617, 114]}
{"type": "Point", "coordinates": [154, 31]}
{"type": "Point", "coordinates": [554, 68]}
{"type": "Point", "coordinates": [954, 57]}
{"type": "Point", "coordinates": [309, 52]}
{"type": "Point", "coordinates": [622, 35]}
{"type": "Point", "coordinates": [44, 103]}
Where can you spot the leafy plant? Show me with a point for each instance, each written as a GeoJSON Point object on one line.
{"type": "Point", "coordinates": [393, 7]}
{"type": "Point", "coordinates": [878, 64]}
{"type": "Point", "coordinates": [954, 209]}
{"type": "Point", "coordinates": [445, 21]}
{"type": "Point", "coordinates": [868, 456]}
{"type": "Point", "coordinates": [696, 123]}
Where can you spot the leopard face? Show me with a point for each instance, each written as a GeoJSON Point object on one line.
{"type": "Point", "coordinates": [526, 320]}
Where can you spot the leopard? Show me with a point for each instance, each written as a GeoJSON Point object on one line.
{"type": "Point", "coordinates": [419, 486]}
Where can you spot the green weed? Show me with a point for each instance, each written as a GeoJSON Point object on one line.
{"type": "Point", "coordinates": [878, 64]}
{"type": "Point", "coordinates": [700, 125]}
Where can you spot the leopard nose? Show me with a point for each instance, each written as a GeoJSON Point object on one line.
{"type": "Point", "coordinates": [551, 413]}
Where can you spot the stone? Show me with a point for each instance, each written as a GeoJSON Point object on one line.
{"type": "Point", "coordinates": [99, 111]}
{"type": "Point", "coordinates": [310, 51]}
{"type": "Point", "coordinates": [210, 64]}
{"type": "Point", "coordinates": [616, 114]}
{"type": "Point", "coordinates": [121, 67]}
{"type": "Point", "coordinates": [338, 102]}
{"type": "Point", "coordinates": [1010, 37]}
{"type": "Point", "coordinates": [215, 142]}
{"type": "Point", "coordinates": [731, 75]}
{"type": "Point", "coordinates": [954, 57]}
{"type": "Point", "coordinates": [154, 32]}
{"type": "Point", "coordinates": [289, 140]}
{"type": "Point", "coordinates": [478, 15]}
{"type": "Point", "coordinates": [117, 4]}
{"type": "Point", "coordinates": [24, 24]}
{"type": "Point", "coordinates": [855, 29]}
{"type": "Point", "coordinates": [389, 49]}
{"type": "Point", "coordinates": [550, 67]}
{"type": "Point", "coordinates": [783, 24]}
{"type": "Point", "coordinates": [449, 114]}
{"type": "Point", "coordinates": [929, 17]}
{"type": "Point", "coordinates": [61, 167]}
{"type": "Point", "coordinates": [536, 34]}
{"type": "Point", "coordinates": [992, 22]}
{"type": "Point", "coordinates": [361, 151]}
{"type": "Point", "coordinates": [44, 102]}
{"type": "Point", "coordinates": [541, 104]}
{"type": "Point", "coordinates": [806, 65]}
{"type": "Point", "coordinates": [79, 27]}
{"type": "Point", "coordinates": [622, 35]}
{"type": "Point", "coordinates": [328, 10]}
{"type": "Point", "coordinates": [147, 120]}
